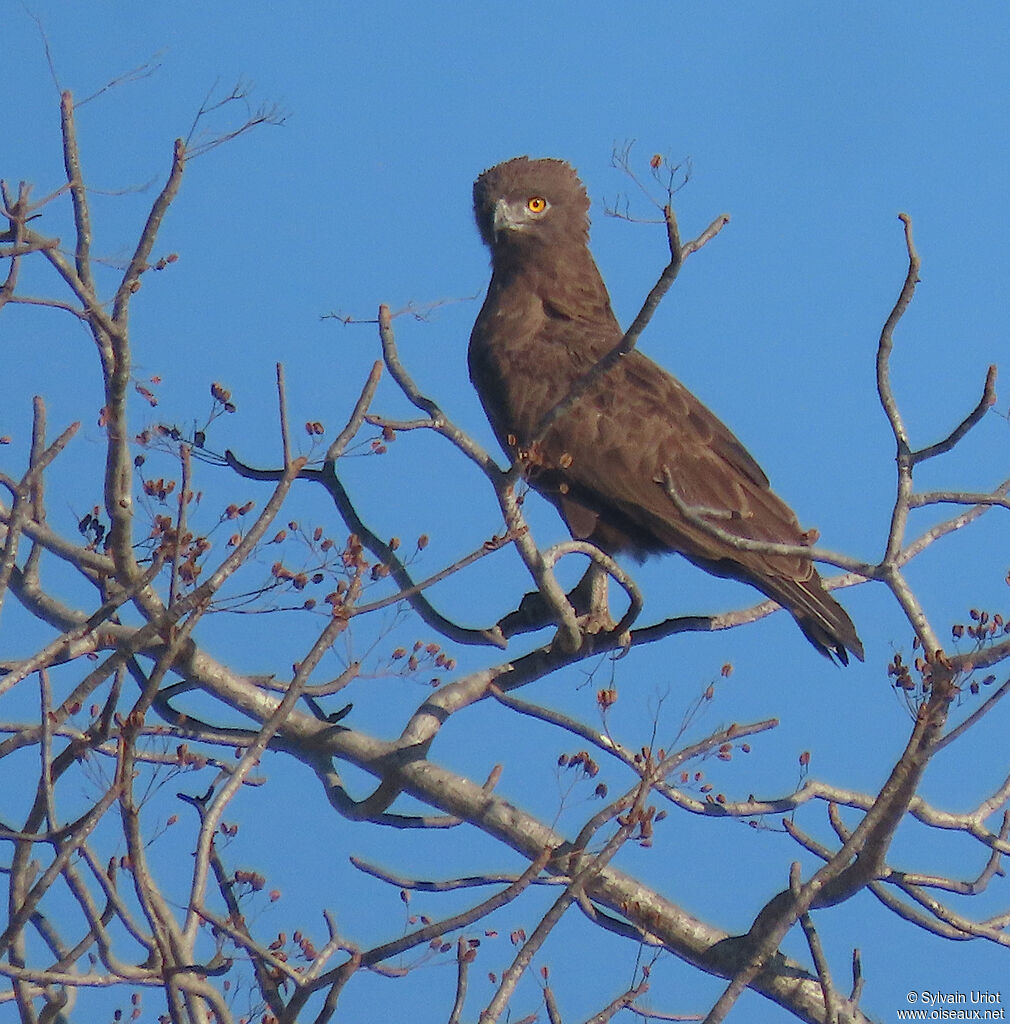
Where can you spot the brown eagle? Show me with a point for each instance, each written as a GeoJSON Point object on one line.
{"type": "Point", "coordinates": [608, 463]}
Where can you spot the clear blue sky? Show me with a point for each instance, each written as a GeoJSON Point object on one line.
{"type": "Point", "coordinates": [812, 125]}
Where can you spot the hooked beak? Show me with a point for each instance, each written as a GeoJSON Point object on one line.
{"type": "Point", "coordinates": [504, 217]}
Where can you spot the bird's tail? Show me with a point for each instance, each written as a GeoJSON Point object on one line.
{"type": "Point", "coordinates": [824, 622]}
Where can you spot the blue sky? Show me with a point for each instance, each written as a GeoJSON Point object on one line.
{"type": "Point", "coordinates": [812, 125]}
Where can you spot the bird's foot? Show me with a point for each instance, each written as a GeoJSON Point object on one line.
{"type": "Point", "coordinates": [597, 620]}
{"type": "Point", "coordinates": [591, 603]}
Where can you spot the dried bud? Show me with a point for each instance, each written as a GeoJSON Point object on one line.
{"type": "Point", "coordinates": [607, 698]}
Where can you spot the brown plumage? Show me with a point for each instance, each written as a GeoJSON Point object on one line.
{"type": "Point", "coordinates": [546, 320]}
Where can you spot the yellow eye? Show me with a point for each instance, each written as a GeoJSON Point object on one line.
{"type": "Point", "coordinates": [536, 205]}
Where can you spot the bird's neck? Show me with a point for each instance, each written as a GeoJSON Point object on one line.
{"type": "Point", "coordinates": [562, 276]}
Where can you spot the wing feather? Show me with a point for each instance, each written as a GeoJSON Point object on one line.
{"type": "Point", "coordinates": [545, 322]}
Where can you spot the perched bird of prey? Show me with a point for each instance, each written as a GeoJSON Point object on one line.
{"type": "Point", "coordinates": [610, 461]}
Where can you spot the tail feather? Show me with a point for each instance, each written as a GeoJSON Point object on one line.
{"type": "Point", "coordinates": [824, 622]}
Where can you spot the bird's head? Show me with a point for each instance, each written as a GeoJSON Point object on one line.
{"type": "Point", "coordinates": [525, 202]}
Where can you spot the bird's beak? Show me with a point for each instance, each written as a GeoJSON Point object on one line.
{"type": "Point", "coordinates": [503, 217]}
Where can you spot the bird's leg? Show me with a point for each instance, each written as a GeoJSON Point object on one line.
{"type": "Point", "coordinates": [588, 597]}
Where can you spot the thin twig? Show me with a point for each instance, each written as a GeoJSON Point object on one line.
{"type": "Point", "coordinates": [78, 193]}
{"type": "Point", "coordinates": [467, 917]}
{"type": "Point", "coordinates": [575, 890]}
{"type": "Point", "coordinates": [282, 410]}
{"type": "Point", "coordinates": [981, 710]}
{"type": "Point", "coordinates": [464, 955]}
{"type": "Point", "coordinates": [180, 522]}
{"type": "Point", "coordinates": [250, 758]}
{"type": "Point", "coordinates": [341, 441]}
{"type": "Point", "coordinates": [24, 501]}
{"type": "Point", "coordinates": [986, 402]}
{"type": "Point", "coordinates": [583, 384]}
{"type": "Point", "coordinates": [622, 1002]}
{"type": "Point", "coordinates": [816, 951]}
{"type": "Point", "coordinates": [888, 402]}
